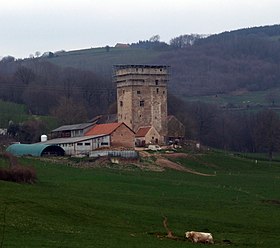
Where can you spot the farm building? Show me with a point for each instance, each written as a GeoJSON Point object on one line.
{"type": "Point", "coordinates": [81, 145]}
{"type": "Point", "coordinates": [103, 119]}
{"type": "Point", "coordinates": [35, 150]}
{"type": "Point", "coordinates": [120, 134]}
{"type": "Point", "coordinates": [146, 135]}
{"type": "Point", "coordinates": [176, 130]}
{"type": "Point", "coordinates": [70, 131]}
{"type": "Point", "coordinates": [100, 136]}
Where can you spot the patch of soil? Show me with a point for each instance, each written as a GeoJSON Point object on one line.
{"type": "Point", "coordinates": [272, 201]}
{"type": "Point", "coordinates": [176, 155]}
{"type": "Point", "coordinates": [172, 165]}
{"type": "Point", "coordinates": [191, 157]}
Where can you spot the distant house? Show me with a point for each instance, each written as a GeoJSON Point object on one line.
{"type": "Point", "coordinates": [147, 135]}
{"type": "Point", "coordinates": [48, 55]}
{"type": "Point", "coordinates": [176, 129]}
{"type": "Point", "coordinates": [70, 131]}
{"type": "Point", "coordinates": [122, 45]}
{"type": "Point", "coordinates": [3, 131]}
{"type": "Point", "coordinates": [120, 134]}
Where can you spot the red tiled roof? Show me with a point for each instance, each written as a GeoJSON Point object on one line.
{"type": "Point", "coordinates": [103, 129]}
{"type": "Point", "coordinates": [142, 131]}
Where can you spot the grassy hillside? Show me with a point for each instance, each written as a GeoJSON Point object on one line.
{"type": "Point", "coordinates": [72, 207]}
{"type": "Point", "coordinates": [101, 61]}
{"type": "Point", "coordinates": [245, 59]}
{"type": "Point", "coordinates": [12, 111]}
{"type": "Point", "coordinates": [242, 99]}
{"type": "Point", "coordinates": [18, 114]}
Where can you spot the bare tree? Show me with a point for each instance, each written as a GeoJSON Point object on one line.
{"type": "Point", "coordinates": [69, 111]}
{"type": "Point", "coordinates": [267, 132]}
{"type": "Point", "coordinates": [25, 75]}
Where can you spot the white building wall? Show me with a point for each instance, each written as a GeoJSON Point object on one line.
{"type": "Point", "coordinates": [86, 146]}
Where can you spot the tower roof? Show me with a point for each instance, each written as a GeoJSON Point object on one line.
{"type": "Point", "coordinates": [123, 66]}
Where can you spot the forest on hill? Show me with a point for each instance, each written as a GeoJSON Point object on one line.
{"type": "Point", "coordinates": [77, 85]}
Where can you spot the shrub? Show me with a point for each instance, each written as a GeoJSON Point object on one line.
{"type": "Point", "coordinates": [16, 172]}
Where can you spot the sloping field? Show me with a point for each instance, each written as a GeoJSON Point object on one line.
{"type": "Point", "coordinates": [100, 60]}
{"type": "Point", "coordinates": [73, 207]}
{"type": "Point", "coordinates": [12, 111]}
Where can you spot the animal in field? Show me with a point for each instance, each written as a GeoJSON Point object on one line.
{"type": "Point", "coordinates": [200, 237]}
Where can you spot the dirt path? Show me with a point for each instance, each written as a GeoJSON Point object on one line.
{"type": "Point", "coordinates": [172, 165]}
{"type": "Point", "coordinates": [162, 161]}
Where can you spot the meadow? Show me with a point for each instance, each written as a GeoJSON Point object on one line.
{"type": "Point", "coordinates": [100, 60]}
{"type": "Point", "coordinates": [12, 111]}
{"type": "Point", "coordinates": [246, 99]}
{"type": "Point", "coordinates": [109, 207]}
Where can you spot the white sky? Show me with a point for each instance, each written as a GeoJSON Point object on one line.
{"type": "Point", "coordinates": [27, 26]}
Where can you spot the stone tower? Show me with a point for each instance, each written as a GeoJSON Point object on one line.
{"type": "Point", "coordinates": [142, 96]}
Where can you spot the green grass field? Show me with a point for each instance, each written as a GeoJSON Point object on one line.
{"type": "Point", "coordinates": [18, 114]}
{"type": "Point", "coordinates": [73, 207]}
{"type": "Point", "coordinates": [256, 99]}
{"type": "Point", "coordinates": [98, 59]}
{"type": "Point", "coordinates": [12, 111]}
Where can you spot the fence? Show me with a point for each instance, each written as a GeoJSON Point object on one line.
{"type": "Point", "coordinates": [122, 154]}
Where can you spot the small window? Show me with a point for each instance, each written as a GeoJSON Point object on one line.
{"type": "Point", "coordinates": [156, 82]}
{"type": "Point", "coordinates": [87, 144]}
{"type": "Point", "coordinates": [142, 103]}
{"type": "Point", "coordinates": [163, 92]}
{"type": "Point", "coordinates": [138, 92]}
{"type": "Point", "coordinates": [79, 144]}
{"type": "Point", "coordinates": [121, 103]}
{"type": "Point", "coordinates": [123, 91]}
{"type": "Point", "coordinates": [140, 116]}
{"type": "Point", "coordinates": [104, 143]}
{"type": "Point", "coordinates": [157, 90]}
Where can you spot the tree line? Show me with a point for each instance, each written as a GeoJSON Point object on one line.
{"type": "Point", "coordinates": [69, 94]}
{"type": "Point", "coordinates": [243, 131]}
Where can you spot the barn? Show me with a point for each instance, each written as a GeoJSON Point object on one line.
{"type": "Point", "coordinates": [81, 145]}
{"type": "Point", "coordinates": [36, 150]}
{"type": "Point", "coordinates": [120, 134]}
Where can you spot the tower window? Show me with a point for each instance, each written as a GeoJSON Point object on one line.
{"type": "Point", "coordinates": [138, 92]}
{"type": "Point", "coordinates": [157, 90]}
{"type": "Point", "coordinates": [142, 103]}
{"type": "Point", "coordinates": [156, 82]}
{"type": "Point", "coordinates": [121, 103]}
{"type": "Point", "coordinates": [163, 92]}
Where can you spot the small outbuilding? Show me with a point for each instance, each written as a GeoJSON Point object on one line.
{"type": "Point", "coordinates": [36, 150]}
{"type": "Point", "coordinates": [176, 130]}
{"type": "Point", "coordinates": [147, 135]}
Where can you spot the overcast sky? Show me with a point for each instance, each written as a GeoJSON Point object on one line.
{"type": "Point", "coordinates": [28, 26]}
